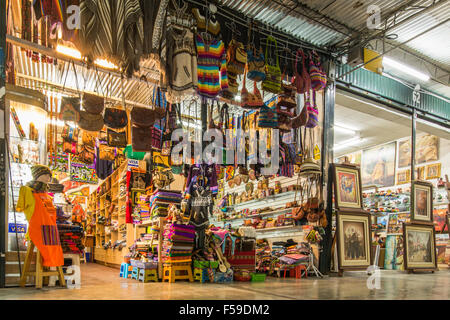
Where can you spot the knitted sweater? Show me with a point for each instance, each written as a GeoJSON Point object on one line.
{"type": "Point", "coordinates": [211, 67]}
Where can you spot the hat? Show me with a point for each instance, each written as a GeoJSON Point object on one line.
{"type": "Point", "coordinates": [40, 170]}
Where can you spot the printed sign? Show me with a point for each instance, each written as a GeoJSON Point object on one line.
{"type": "Point", "coordinates": [21, 228]}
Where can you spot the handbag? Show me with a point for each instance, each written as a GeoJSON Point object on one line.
{"type": "Point", "coordinates": [142, 117]}
{"type": "Point", "coordinates": [106, 152]}
{"type": "Point", "coordinates": [93, 104]}
{"type": "Point", "coordinates": [251, 100]}
{"type": "Point", "coordinates": [115, 118]}
{"type": "Point", "coordinates": [268, 117]}
{"type": "Point", "coordinates": [70, 108]}
{"type": "Point", "coordinates": [312, 110]}
{"type": "Point", "coordinates": [256, 65]}
{"type": "Point", "coordinates": [236, 57]}
{"type": "Point", "coordinates": [90, 122]}
{"type": "Point", "coordinates": [317, 75]}
{"type": "Point", "coordinates": [117, 139]}
{"type": "Point", "coordinates": [156, 135]}
{"type": "Point", "coordinates": [87, 154]}
{"type": "Point", "coordinates": [272, 83]}
{"type": "Point", "coordinates": [302, 78]}
{"type": "Point", "coordinates": [70, 147]}
{"type": "Point", "coordinates": [88, 139]}
{"type": "Point", "coordinates": [70, 134]}
{"type": "Point", "coordinates": [141, 139]}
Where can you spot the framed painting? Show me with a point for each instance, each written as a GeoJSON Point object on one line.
{"type": "Point", "coordinates": [427, 150]}
{"type": "Point", "coordinates": [404, 176]}
{"type": "Point", "coordinates": [421, 202]}
{"type": "Point", "coordinates": [378, 165]}
{"type": "Point", "coordinates": [420, 174]}
{"type": "Point", "coordinates": [347, 186]}
{"type": "Point", "coordinates": [353, 158]}
{"type": "Point", "coordinates": [420, 246]}
{"type": "Point", "coordinates": [354, 240]}
{"type": "Point", "coordinates": [433, 171]}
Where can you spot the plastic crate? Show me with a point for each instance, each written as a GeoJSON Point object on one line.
{"type": "Point", "coordinates": [258, 277]}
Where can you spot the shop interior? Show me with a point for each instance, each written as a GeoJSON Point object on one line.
{"type": "Point", "coordinates": [101, 127]}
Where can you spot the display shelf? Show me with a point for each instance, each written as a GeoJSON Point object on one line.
{"type": "Point", "coordinates": [264, 201]}
{"type": "Point", "coordinates": [278, 229]}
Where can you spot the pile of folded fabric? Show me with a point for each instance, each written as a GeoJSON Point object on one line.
{"type": "Point", "coordinates": [263, 256]}
{"type": "Point", "coordinates": [295, 254]}
{"type": "Point", "coordinates": [71, 238]}
{"type": "Point", "coordinates": [178, 243]}
{"type": "Point", "coordinates": [160, 201]}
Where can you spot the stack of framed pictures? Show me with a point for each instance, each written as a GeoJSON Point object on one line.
{"type": "Point", "coordinates": [419, 235]}
{"type": "Point", "coordinates": [353, 224]}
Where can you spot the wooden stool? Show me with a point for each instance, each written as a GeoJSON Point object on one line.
{"type": "Point", "coordinates": [40, 273]}
{"type": "Point", "coordinates": [147, 275]}
{"type": "Point", "coordinates": [170, 272]}
{"type": "Point", "coordinates": [135, 273]}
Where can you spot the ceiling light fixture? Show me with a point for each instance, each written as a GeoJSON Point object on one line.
{"type": "Point", "coordinates": [105, 64]}
{"type": "Point", "coordinates": [68, 51]}
{"type": "Point", "coordinates": [343, 129]}
{"type": "Point", "coordinates": [404, 68]}
{"type": "Point", "coordinates": [348, 143]}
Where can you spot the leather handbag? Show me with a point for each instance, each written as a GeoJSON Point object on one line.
{"type": "Point", "coordinates": [115, 118]}
{"type": "Point", "coordinates": [301, 74]}
{"type": "Point", "coordinates": [142, 117]}
{"type": "Point", "coordinates": [87, 154]}
{"type": "Point", "coordinates": [106, 152]}
{"type": "Point", "coordinates": [141, 138]}
{"type": "Point", "coordinates": [88, 139]}
{"type": "Point", "coordinates": [272, 83]}
{"type": "Point", "coordinates": [256, 65]}
{"type": "Point", "coordinates": [93, 104]}
{"type": "Point", "coordinates": [90, 122]}
{"type": "Point", "coordinates": [117, 139]}
{"type": "Point", "coordinates": [70, 147]}
{"type": "Point", "coordinates": [70, 134]}
{"type": "Point", "coordinates": [70, 109]}
{"type": "Point", "coordinates": [317, 75]}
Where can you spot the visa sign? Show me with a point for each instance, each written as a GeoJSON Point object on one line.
{"type": "Point", "coordinates": [21, 228]}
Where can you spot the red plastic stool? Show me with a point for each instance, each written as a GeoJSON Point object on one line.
{"type": "Point", "coordinates": [298, 271]}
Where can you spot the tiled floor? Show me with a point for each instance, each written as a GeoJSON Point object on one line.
{"type": "Point", "coordinates": [99, 282]}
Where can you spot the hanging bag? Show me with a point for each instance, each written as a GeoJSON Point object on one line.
{"type": "Point", "coordinates": [302, 79]}
{"type": "Point", "coordinates": [250, 100]}
{"type": "Point", "coordinates": [313, 112]}
{"type": "Point", "coordinates": [317, 75]}
{"type": "Point", "coordinates": [272, 83]}
{"type": "Point", "coordinates": [115, 118]}
{"type": "Point", "coordinates": [117, 139]}
{"type": "Point", "coordinates": [70, 134]}
{"type": "Point", "coordinates": [93, 104]}
{"type": "Point", "coordinates": [268, 117]}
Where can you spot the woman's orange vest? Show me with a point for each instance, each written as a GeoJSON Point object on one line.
{"type": "Point", "coordinates": [44, 232]}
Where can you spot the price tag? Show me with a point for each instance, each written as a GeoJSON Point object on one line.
{"type": "Point", "coordinates": [316, 152]}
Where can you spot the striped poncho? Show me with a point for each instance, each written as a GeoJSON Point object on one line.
{"type": "Point", "coordinates": [211, 67]}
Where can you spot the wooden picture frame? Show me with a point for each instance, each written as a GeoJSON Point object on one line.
{"type": "Point", "coordinates": [419, 190]}
{"type": "Point", "coordinates": [413, 249]}
{"type": "Point", "coordinates": [403, 176]}
{"type": "Point", "coordinates": [352, 175]}
{"type": "Point", "coordinates": [347, 229]}
{"type": "Point", "coordinates": [433, 175]}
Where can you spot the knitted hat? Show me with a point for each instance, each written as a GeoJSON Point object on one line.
{"type": "Point", "coordinates": [39, 170]}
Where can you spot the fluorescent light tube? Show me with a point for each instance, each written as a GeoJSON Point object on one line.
{"type": "Point", "coordinates": [348, 143]}
{"type": "Point", "coordinates": [68, 51]}
{"type": "Point", "coordinates": [404, 68]}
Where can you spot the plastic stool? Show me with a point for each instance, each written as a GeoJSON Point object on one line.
{"type": "Point", "coordinates": [135, 273]}
{"type": "Point", "coordinates": [170, 272]}
{"type": "Point", "coordinates": [73, 272]}
{"type": "Point", "coordinates": [124, 270]}
{"type": "Point", "coordinates": [298, 271]}
{"type": "Point", "coordinates": [200, 275]}
{"type": "Point", "coordinates": [147, 275]}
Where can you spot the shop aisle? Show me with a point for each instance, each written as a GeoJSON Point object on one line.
{"type": "Point", "coordinates": [100, 282]}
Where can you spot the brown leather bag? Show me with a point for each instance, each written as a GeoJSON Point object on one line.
{"type": "Point", "coordinates": [90, 122]}
{"type": "Point", "coordinates": [93, 104]}
{"type": "Point", "coordinates": [142, 117]}
{"type": "Point", "coordinates": [141, 139]}
{"type": "Point", "coordinates": [302, 78]}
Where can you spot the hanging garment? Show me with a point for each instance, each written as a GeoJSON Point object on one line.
{"type": "Point", "coordinates": [211, 67]}
{"type": "Point", "coordinates": [112, 30]}
{"type": "Point", "coordinates": [44, 232]}
{"type": "Point", "coordinates": [149, 11]}
{"type": "Point", "coordinates": [209, 171]}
